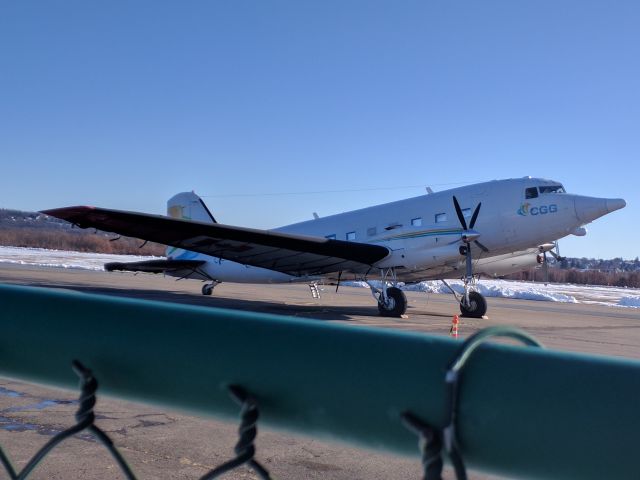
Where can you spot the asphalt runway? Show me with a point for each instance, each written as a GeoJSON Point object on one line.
{"type": "Point", "coordinates": [163, 444]}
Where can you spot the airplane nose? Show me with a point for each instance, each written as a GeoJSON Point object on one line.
{"type": "Point", "coordinates": [614, 204]}
{"type": "Point", "coordinates": [590, 208]}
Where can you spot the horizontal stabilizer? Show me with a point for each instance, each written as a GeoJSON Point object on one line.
{"type": "Point", "coordinates": [154, 266]}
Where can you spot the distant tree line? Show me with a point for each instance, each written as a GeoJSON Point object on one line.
{"type": "Point", "coordinates": [81, 241]}
{"type": "Point", "coordinates": [614, 278]}
{"type": "Point", "coordinates": [35, 230]}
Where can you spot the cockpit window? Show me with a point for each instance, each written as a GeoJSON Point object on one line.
{"type": "Point", "coordinates": [531, 192]}
{"type": "Point", "coordinates": [552, 189]}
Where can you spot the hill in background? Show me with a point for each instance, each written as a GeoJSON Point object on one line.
{"type": "Point", "coordinates": [36, 230]}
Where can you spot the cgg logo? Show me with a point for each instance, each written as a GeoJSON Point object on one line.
{"type": "Point", "coordinates": [527, 209]}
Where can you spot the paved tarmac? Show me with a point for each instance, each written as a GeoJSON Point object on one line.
{"type": "Point", "coordinates": [162, 444]}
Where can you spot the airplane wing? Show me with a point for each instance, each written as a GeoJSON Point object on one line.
{"type": "Point", "coordinates": [297, 255]}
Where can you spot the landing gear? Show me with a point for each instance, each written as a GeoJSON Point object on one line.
{"type": "Point", "coordinates": [472, 303]}
{"type": "Point", "coordinates": [396, 304]}
{"type": "Point", "coordinates": [207, 288]}
{"type": "Point", "coordinates": [475, 306]}
{"type": "Point", "coordinates": [392, 302]}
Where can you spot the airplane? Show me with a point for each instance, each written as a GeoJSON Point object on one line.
{"type": "Point", "coordinates": [438, 235]}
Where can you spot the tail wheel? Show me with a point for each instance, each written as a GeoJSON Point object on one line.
{"type": "Point", "coordinates": [396, 304]}
{"type": "Point", "coordinates": [476, 308]}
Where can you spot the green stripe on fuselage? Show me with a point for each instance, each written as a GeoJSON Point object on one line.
{"type": "Point", "coordinates": [420, 234]}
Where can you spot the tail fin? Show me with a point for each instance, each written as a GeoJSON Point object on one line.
{"type": "Point", "coordinates": [189, 206]}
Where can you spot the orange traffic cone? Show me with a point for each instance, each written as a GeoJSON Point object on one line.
{"type": "Point", "coordinates": [454, 327]}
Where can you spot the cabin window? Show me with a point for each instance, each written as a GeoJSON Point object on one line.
{"type": "Point", "coordinates": [441, 217]}
{"type": "Point", "coordinates": [416, 222]}
{"type": "Point", "coordinates": [551, 189]}
{"type": "Point", "coordinates": [351, 236]}
{"type": "Point", "coordinates": [531, 192]}
{"type": "Point", "coordinates": [330, 237]}
{"type": "Point", "coordinates": [371, 231]}
{"type": "Point", "coordinates": [466, 212]}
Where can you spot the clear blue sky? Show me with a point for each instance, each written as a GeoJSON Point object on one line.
{"type": "Point", "coordinates": [122, 104]}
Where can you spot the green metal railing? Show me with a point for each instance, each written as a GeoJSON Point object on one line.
{"type": "Point", "coordinates": [521, 412]}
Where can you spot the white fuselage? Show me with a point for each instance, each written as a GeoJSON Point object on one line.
{"type": "Point", "coordinates": [424, 233]}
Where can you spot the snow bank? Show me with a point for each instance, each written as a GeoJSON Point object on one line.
{"type": "Point", "coordinates": [502, 289]}
{"type": "Point", "coordinates": [489, 288]}
{"type": "Point", "coordinates": [41, 257]}
{"type": "Point", "coordinates": [629, 302]}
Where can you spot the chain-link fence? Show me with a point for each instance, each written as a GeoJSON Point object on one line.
{"type": "Point", "coordinates": [515, 411]}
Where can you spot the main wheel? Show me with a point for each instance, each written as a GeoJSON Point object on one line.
{"type": "Point", "coordinates": [396, 303]}
{"type": "Point", "coordinates": [477, 306]}
{"type": "Point", "coordinates": [207, 289]}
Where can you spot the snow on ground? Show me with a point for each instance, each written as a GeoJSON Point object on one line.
{"type": "Point", "coordinates": [567, 293]}
{"type": "Point", "coordinates": [61, 259]}
{"type": "Point", "coordinates": [501, 288]}
{"type": "Point", "coordinates": [630, 302]}
{"type": "Point", "coordinates": [553, 292]}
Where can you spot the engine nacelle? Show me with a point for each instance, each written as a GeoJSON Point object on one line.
{"type": "Point", "coordinates": [422, 258]}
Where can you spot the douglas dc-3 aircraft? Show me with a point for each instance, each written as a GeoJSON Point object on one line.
{"type": "Point", "coordinates": [435, 236]}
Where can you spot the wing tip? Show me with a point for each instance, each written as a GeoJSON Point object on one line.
{"type": "Point", "coordinates": [57, 212]}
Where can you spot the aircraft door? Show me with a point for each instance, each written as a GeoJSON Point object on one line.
{"type": "Point", "coordinates": [510, 218]}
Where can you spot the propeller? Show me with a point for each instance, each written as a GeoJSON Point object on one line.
{"type": "Point", "coordinates": [555, 255]}
{"type": "Point", "coordinates": [469, 235]}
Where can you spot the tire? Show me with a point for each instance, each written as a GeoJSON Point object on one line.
{"type": "Point", "coordinates": [397, 305]}
{"type": "Point", "coordinates": [207, 289]}
{"type": "Point", "coordinates": [477, 306]}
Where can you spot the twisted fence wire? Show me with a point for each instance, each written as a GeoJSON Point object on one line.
{"type": "Point", "coordinates": [85, 420]}
{"type": "Point", "coordinates": [430, 445]}
{"type": "Point", "coordinates": [452, 381]}
{"type": "Point", "coordinates": [244, 449]}
{"type": "Point", "coordinates": [432, 441]}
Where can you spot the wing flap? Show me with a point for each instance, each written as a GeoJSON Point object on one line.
{"type": "Point", "coordinates": [287, 253]}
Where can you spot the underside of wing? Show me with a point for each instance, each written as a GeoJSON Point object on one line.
{"type": "Point", "coordinates": [297, 255]}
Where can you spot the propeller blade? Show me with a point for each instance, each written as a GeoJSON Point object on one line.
{"type": "Point", "coordinates": [556, 254]}
{"type": "Point", "coordinates": [482, 247]}
{"type": "Point", "coordinates": [475, 216]}
{"type": "Point", "coordinates": [463, 222]}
